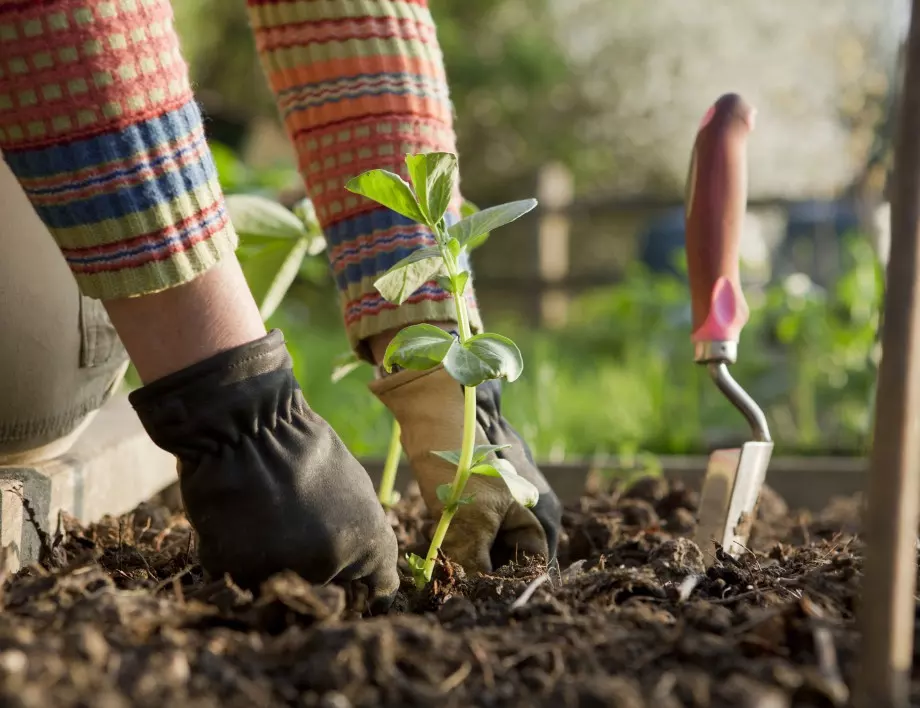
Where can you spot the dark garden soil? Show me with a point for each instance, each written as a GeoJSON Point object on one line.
{"type": "Point", "coordinates": [120, 615]}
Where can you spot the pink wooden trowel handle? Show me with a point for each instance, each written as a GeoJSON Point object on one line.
{"type": "Point", "coordinates": [716, 204]}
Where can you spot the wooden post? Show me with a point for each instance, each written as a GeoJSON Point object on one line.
{"type": "Point", "coordinates": [555, 192]}
{"type": "Point", "coordinates": [887, 605]}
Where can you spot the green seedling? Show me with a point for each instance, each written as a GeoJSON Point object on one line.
{"type": "Point", "coordinates": [274, 242]}
{"type": "Point", "coordinates": [344, 365]}
{"type": "Point", "coordinates": [470, 359]}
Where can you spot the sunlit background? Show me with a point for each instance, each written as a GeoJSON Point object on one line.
{"type": "Point", "coordinates": [592, 106]}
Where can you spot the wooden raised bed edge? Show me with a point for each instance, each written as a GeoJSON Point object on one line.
{"type": "Point", "coordinates": [804, 482]}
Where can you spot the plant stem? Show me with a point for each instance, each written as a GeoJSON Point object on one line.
{"type": "Point", "coordinates": [388, 480]}
{"type": "Point", "coordinates": [460, 478]}
{"type": "Point", "coordinates": [469, 424]}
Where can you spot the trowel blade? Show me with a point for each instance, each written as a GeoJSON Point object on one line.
{"type": "Point", "coordinates": [728, 501]}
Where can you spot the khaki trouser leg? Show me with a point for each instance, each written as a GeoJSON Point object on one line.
{"type": "Point", "coordinates": [60, 358]}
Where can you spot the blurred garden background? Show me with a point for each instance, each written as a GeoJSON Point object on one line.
{"type": "Point", "coordinates": [592, 106]}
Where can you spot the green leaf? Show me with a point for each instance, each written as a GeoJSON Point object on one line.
{"type": "Point", "coordinates": [452, 456]}
{"type": "Point", "coordinates": [399, 283]}
{"type": "Point", "coordinates": [454, 247]}
{"type": "Point", "coordinates": [389, 190]}
{"type": "Point", "coordinates": [463, 277]}
{"type": "Point", "coordinates": [434, 176]}
{"type": "Point", "coordinates": [271, 270]}
{"type": "Point", "coordinates": [486, 470]}
{"type": "Point", "coordinates": [261, 218]}
{"type": "Point", "coordinates": [481, 452]}
{"type": "Point", "coordinates": [523, 491]}
{"type": "Point", "coordinates": [445, 282]}
{"type": "Point", "coordinates": [462, 501]}
{"type": "Point", "coordinates": [417, 568]}
{"type": "Point", "coordinates": [500, 352]}
{"type": "Point", "coordinates": [444, 492]}
{"type": "Point", "coordinates": [473, 230]}
{"type": "Point", "coordinates": [419, 347]}
{"type": "Point", "coordinates": [482, 358]}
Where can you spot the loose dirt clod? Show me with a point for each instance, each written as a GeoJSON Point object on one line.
{"type": "Point", "coordinates": [121, 615]}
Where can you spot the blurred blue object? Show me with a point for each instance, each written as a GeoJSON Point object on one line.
{"type": "Point", "coordinates": [661, 242]}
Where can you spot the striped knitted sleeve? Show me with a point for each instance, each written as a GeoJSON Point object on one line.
{"type": "Point", "coordinates": [360, 83]}
{"type": "Point", "coordinates": [98, 123]}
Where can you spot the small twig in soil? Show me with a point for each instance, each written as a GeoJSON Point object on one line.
{"type": "Point", "coordinates": [171, 579]}
{"type": "Point", "coordinates": [525, 654]}
{"type": "Point", "coordinates": [573, 570]}
{"type": "Point", "coordinates": [456, 678]}
{"type": "Point", "coordinates": [827, 664]}
{"type": "Point", "coordinates": [806, 535]}
{"type": "Point", "coordinates": [488, 676]}
{"type": "Point", "coordinates": [735, 598]}
{"type": "Point", "coordinates": [529, 591]}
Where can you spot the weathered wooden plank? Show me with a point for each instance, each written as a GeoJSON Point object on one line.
{"type": "Point", "coordinates": [804, 482]}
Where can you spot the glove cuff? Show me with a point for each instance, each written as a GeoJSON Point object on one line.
{"type": "Point", "coordinates": [218, 400]}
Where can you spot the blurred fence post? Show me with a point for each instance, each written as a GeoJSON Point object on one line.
{"type": "Point", "coordinates": [887, 609]}
{"type": "Point", "coordinates": [555, 192]}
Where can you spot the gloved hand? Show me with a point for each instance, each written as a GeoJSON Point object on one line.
{"type": "Point", "coordinates": [266, 483]}
{"type": "Point", "coordinates": [495, 528]}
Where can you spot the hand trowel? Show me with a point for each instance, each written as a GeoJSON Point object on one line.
{"type": "Point", "coordinates": [715, 210]}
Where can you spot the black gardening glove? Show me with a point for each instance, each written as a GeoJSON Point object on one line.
{"type": "Point", "coordinates": [266, 483]}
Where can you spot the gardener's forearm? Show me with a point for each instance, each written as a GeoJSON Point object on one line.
{"type": "Point", "coordinates": [173, 329]}
{"type": "Point", "coordinates": [98, 123]}
{"type": "Point", "coordinates": [359, 84]}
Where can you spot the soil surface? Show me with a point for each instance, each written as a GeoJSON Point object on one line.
{"type": "Point", "coordinates": [119, 614]}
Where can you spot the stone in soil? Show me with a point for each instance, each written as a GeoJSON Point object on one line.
{"type": "Point", "coordinates": [122, 615]}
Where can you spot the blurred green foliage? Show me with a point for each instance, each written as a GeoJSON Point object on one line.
{"type": "Point", "coordinates": [619, 379]}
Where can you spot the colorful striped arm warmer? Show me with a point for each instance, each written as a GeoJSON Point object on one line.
{"type": "Point", "coordinates": [98, 122]}
{"type": "Point", "coordinates": [360, 83]}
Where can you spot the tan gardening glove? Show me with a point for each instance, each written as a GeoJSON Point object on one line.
{"type": "Point", "coordinates": [494, 529]}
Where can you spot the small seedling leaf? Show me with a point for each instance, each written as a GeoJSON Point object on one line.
{"type": "Point", "coordinates": [467, 368]}
{"type": "Point", "coordinates": [445, 282]}
{"type": "Point", "coordinates": [466, 500]}
{"type": "Point", "coordinates": [500, 352]}
{"type": "Point", "coordinates": [255, 217]}
{"type": "Point", "coordinates": [453, 245]}
{"type": "Point", "coordinates": [482, 358]}
{"type": "Point", "coordinates": [388, 189]}
{"type": "Point", "coordinates": [444, 492]}
{"type": "Point", "coordinates": [419, 347]}
{"type": "Point", "coordinates": [452, 456]}
{"type": "Point", "coordinates": [481, 452]}
{"type": "Point", "coordinates": [434, 176]}
{"type": "Point", "coordinates": [486, 470]}
{"type": "Point", "coordinates": [417, 568]}
{"type": "Point", "coordinates": [523, 491]}
{"type": "Point", "coordinates": [399, 283]}
{"type": "Point", "coordinates": [463, 278]}
{"type": "Point", "coordinates": [473, 230]}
